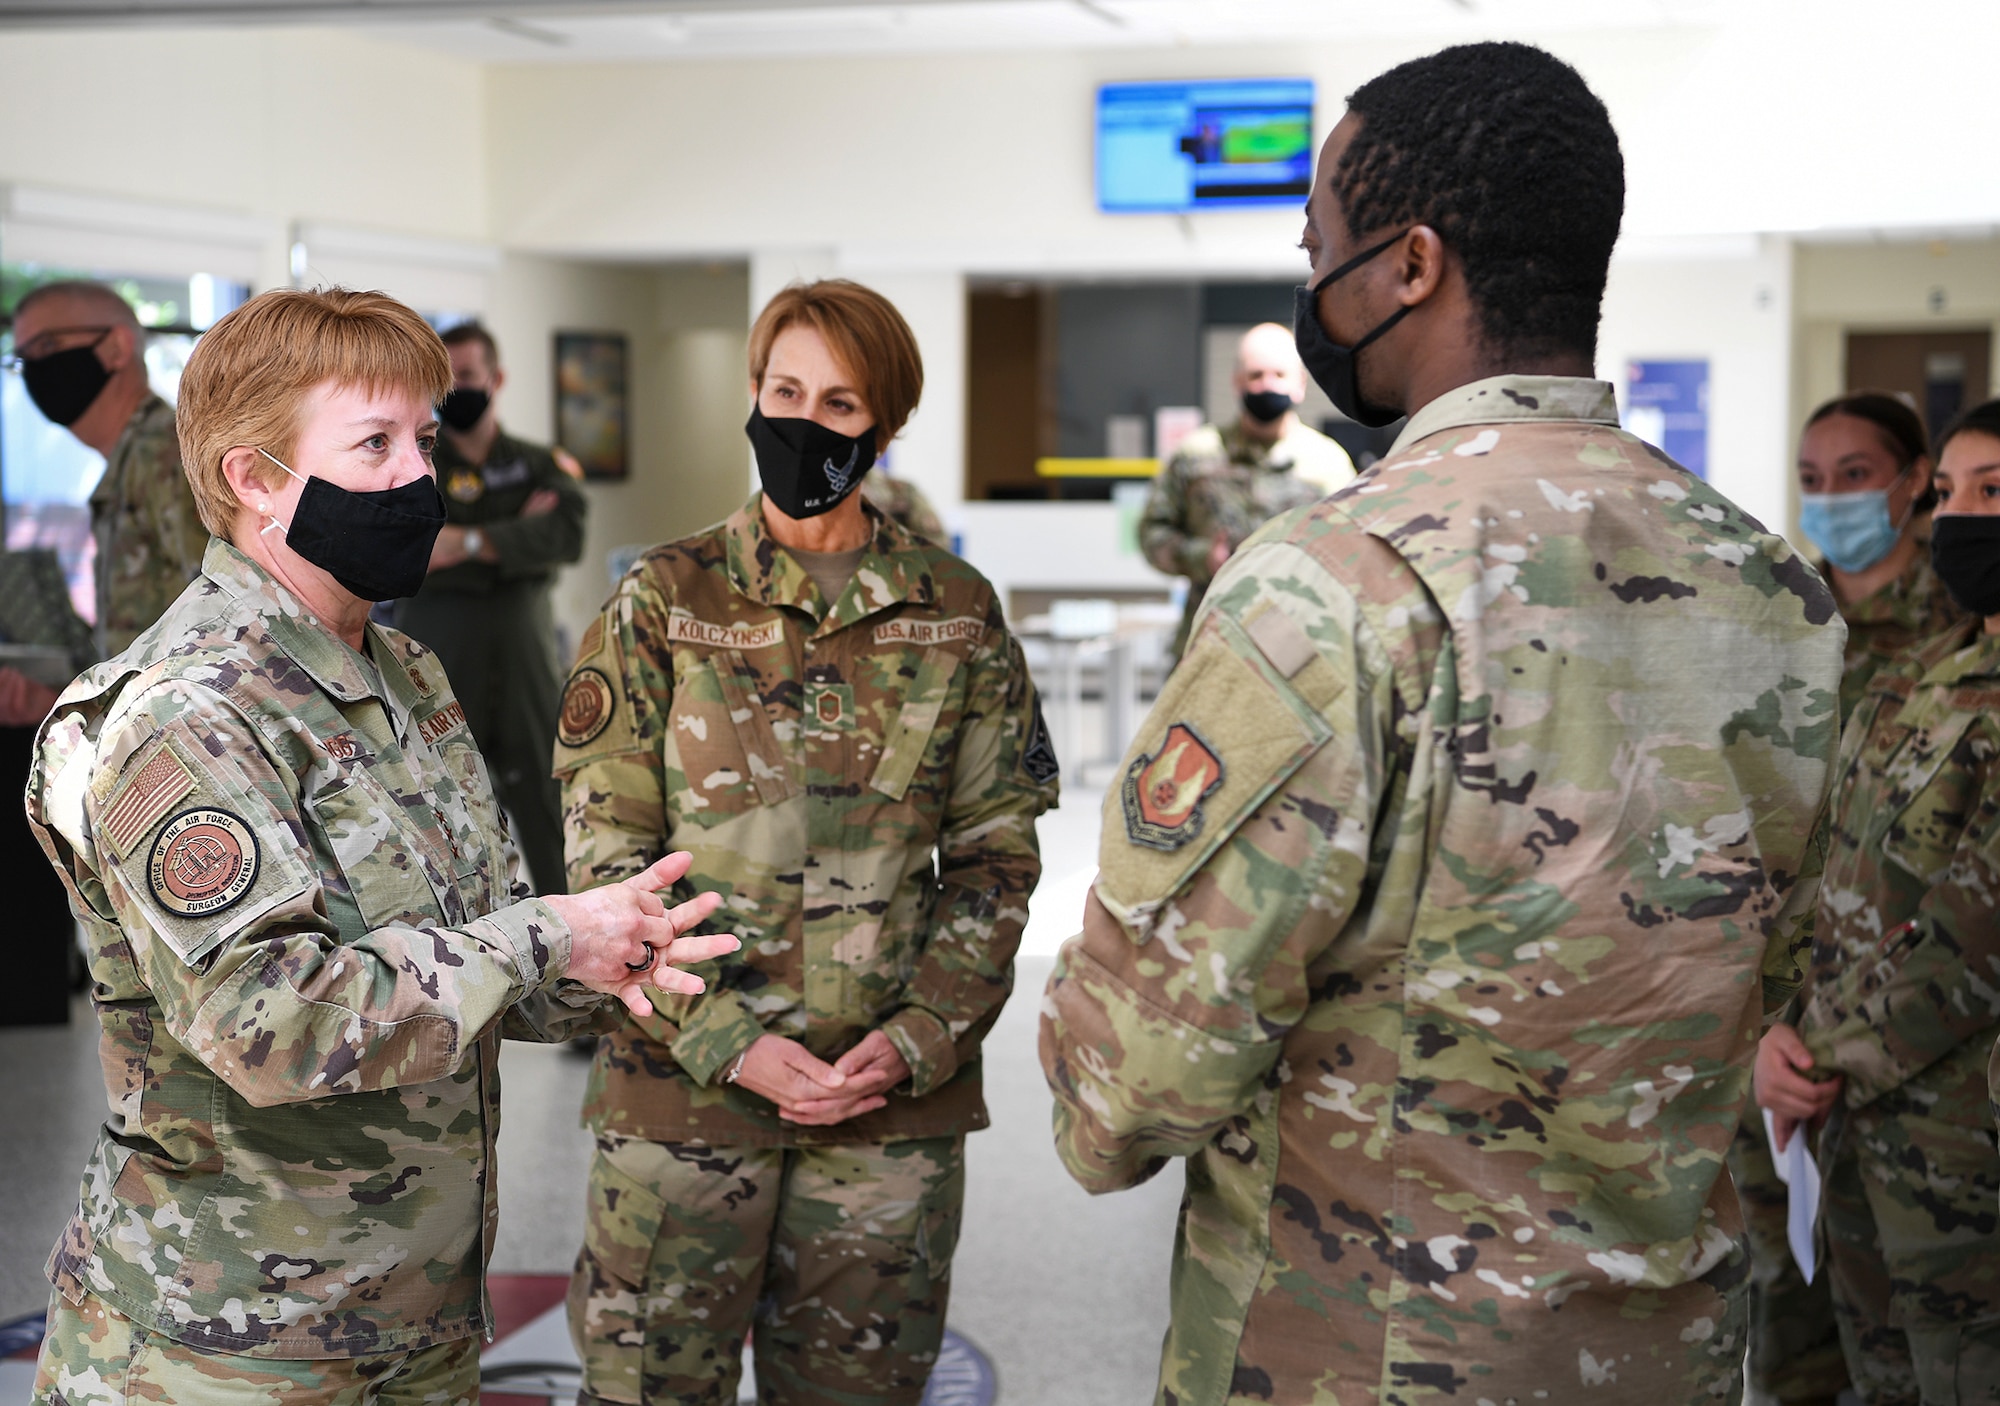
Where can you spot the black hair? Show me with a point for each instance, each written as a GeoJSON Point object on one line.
{"type": "Point", "coordinates": [1983, 418]}
{"type": "Point", "coordinates": [1901, 427]}
{"type": "Point", "coordinates": [474, 332]}
{"type": "Point", "coordinates": [1506, 153]}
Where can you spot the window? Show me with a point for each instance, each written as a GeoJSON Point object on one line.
{"type": "Point", "coordinates": [46, 474]}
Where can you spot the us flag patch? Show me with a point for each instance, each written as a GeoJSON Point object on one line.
{"type": "Point", "coordinates": [155, 789]}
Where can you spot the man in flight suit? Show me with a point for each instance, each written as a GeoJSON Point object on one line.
{"type": "Point", "coordinates": [1455, 868]}
{"type": "Point", "coordinates": [514, 516]}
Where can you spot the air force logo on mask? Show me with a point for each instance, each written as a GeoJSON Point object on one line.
{"type": "Point", "coordinates": [838, 479]}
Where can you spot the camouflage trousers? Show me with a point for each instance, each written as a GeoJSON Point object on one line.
{"type": "Point", "coordinates": [96, 1356]}
{"type": "Point", "coordinates": [839, 1256]}
{"type": "Point", "coordinates": [1911, 1209]}
{"type": "Point", "coordinates": [1795, 1352]}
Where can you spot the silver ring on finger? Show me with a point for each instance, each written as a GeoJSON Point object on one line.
{"type": "Point", "coordinates": [652, 956]}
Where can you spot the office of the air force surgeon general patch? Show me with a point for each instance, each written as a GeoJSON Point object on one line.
{"type": "Point", "coordinates": [1164, 789]}
{"type": "Point", "coordinates": [203, 861]}
{"type": "Point", "coordinates": [586, 708]}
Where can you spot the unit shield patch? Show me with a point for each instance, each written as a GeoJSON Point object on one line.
{"type": "Point", "coordinates": [1038, 758]}
{"type": "Point", "coordinates": [586, 708]}
{"type": "Point", "coordinates": [1164, 789]}
{"type": "Point", "coordinates": [203, 861]}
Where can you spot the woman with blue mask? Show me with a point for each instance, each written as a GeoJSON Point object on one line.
{"type": "Point", "coordinates": [1865, 499]}
{"type": "Point", "coordinates": [1864, 502]}
{"type": "Point", "coordinates": [1884, 1054]}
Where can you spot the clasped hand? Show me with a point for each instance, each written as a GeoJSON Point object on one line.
{"type": "Point", "coordinates": [808, 1090]}
{"type": "Point", "coordinates": [624, 938]}
{"type": "Point", "coordinates": [1783, 1086]}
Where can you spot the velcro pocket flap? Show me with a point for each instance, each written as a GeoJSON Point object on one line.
{"type": "Point", "coordinates": [1228, 730]}
{"type": "Point", "coordinates": [624, 1222]}
{"type": "Point", "coordinates": [910, 735]}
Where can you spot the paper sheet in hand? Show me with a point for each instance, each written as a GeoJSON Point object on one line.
{"type": "Point", "coordinates": [1800, 1175]}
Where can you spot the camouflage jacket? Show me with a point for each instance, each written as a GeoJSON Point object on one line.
{"type": "Point", "coordinates": [1906, 961]}
{"type": "Point", "coordinates": [1438, 912]}
{"type": "Point", "coordinates": [1221, 481]}
{"type": "Point", "coordinates": [1883, 628]}
{"type": "Point", "coordinates": [295, 889]}
{"type": "Point", "coordinates": [147, 530]}
{"type": "Point", "coordinates": [490, 497]}
{"type": "Point", "coordinates": [902, 500]}
{"type": "Point", "coordinates": [860, 783]}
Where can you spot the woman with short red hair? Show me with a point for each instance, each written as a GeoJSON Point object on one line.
{"type": "Point", "coordinates": [306, 930]}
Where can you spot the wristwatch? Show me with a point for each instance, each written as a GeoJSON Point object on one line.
{"type": "Point", "coordinates": [475, 541]}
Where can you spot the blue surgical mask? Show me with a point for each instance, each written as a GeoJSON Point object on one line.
{"type": "Point", "coordinates": [1853, 529]}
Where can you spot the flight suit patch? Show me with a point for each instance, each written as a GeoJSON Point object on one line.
{"type": "Point", "coordinates": [587, 705]}
{"type": "Point", "coordinates": [203, 861]}
{"type": "Point", "coordinates": [1164, 789]}
{"type": "Point", "coordinates": [464, 486]}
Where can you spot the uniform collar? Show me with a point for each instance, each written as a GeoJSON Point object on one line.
{"type": "Point", "coordinates": [1503, 399]}
{"type": "Point", "coordinates": [1275, 456]}
{"type": "Point", "coordinates": [307, 643]}
{"type": "Point", "coordinates": [1907, 600]}
{"type": "Point", "coordinates": [1978, 657]}
{"type": "Point", "coordinates": [143, 420]}
{"type": "Point", "coordinates": [893, 569]}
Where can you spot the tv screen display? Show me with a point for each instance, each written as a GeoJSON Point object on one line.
{"type": "Point", "coordinates": [1205, 144]}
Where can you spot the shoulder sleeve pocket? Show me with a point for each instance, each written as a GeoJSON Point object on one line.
{"type": "Point", "coordinates": [1228, 730]}
{"type": "Point", "coordinates": [201, 859]}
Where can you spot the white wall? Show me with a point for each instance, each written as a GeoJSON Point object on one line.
{"type": "Point", "coordinates": [280, 124]}
{"type": "Point", "coordinates": [1728, 302]}
{"type": "Point", "coordinates": [685, 331]}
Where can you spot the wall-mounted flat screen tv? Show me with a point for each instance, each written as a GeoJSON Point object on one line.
{"type": "Point", "coordinates": [1204, 145]}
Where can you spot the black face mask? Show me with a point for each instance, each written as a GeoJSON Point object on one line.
{"type": "Point", "coordinates": [64, 384]}
{"type": "Point", "coordinates": [807, 468]}
{"type": "Point", "coordinates": [377, 545]}
{"type": "Point", "coordinates": [1327, 361]}
{"type": "Point", "coordinates": [1965, 553]}
{"type": "Point", "coordinates": [462, 408]}
{"type": "Point", "coordinates": [1266, 406]}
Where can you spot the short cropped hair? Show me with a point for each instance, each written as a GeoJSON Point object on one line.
{"type": "Point", "coordinates": [1508, 155]}
{"type": "Point", "coordinates": [249, 375]}
{"type": "Point", "coordinates": [105, 300]}
{"type": "Point", "coordinates": [474, 332]}
{"type": "Point", "coordinates": [1898, 424]}
{"type": "Point", "coordinates": [866, 335]}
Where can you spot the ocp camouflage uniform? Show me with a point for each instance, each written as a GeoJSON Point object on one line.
{"type": "Point", "coordinates": [1221, 481]}
{"type": "Point", "coordinates": [1795, 1352]}
{"type": "Point", "coordinates": [902, 500]}
{"type": "Point", "coordinates": [1437, 913]}
{"type": "Point", "coordinates": [295, 888]}
{"type": "Point", "coordinates": [1903, 1001]}
{"type": "Point", "coordinates": [860, 781]}
{"type": "Point", "coordinates": [146, 528]}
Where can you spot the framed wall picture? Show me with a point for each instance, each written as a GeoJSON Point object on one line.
{"type": "Point", "coordinates": [591, 417]}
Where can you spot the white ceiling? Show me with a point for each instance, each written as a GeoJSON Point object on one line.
{"type": "Point", "coordinates": [571, 31]}
{"type": "Point", "coordinates": [756, 30]}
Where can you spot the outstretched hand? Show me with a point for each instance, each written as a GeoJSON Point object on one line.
{"type": "Point", "coordinates": [624, 938]}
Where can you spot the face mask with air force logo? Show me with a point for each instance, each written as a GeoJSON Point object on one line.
{"type": "Point", "coordinates": [806, 468]}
